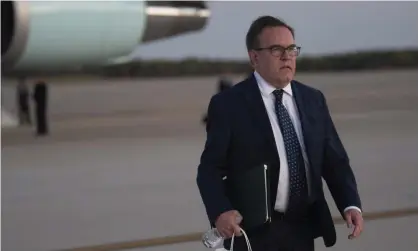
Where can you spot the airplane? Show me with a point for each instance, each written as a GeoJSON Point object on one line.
{"type": "Point", "coordinates": [42, 38]}
{"type": "Point", "coordinates": [46, 37]}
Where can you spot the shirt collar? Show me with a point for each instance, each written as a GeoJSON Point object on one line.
{"type": "Point", "coordinates": [267, 89]}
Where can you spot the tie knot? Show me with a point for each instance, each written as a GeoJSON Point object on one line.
{"type": "Point", "coordinates": [278, 94]}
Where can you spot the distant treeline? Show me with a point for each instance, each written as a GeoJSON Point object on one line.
{"type": "Point", "coordinates": [198, 67]}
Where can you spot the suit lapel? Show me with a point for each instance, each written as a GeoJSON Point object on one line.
{"type": "Point", "coordinates": [306, 119]}
{"type": "Point", "coordinates": [258, 112]}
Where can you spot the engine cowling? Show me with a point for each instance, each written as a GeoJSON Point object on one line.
{"type": "Point", "coordinates": [54, 36]}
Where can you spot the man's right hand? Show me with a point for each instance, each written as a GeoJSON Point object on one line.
{"type": "Point", "coordinates": [228, 223]}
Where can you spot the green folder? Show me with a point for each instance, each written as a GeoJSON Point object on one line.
{"type": "Point", "coordinates": [249, 193]}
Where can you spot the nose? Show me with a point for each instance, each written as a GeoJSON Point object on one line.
{"type": "Point", "coordinates": [285, 56]}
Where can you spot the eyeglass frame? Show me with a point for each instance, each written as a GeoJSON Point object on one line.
{"type": "Point", "coordinates": [282, 49]}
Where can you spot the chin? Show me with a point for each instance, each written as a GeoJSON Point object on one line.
{"type": "Point", "coordinates": [286, 79]}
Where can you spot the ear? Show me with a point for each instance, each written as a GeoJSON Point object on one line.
{"type": "Point", "coordinates": [253, 57]}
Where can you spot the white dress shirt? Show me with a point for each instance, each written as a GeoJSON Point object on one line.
{"type": "Point", "coordinates": [290, 103]}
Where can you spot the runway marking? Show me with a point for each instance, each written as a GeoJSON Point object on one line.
{"type": "Point", "coordinates": [192, 237]}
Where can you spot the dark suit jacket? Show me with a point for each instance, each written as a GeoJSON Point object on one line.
{"type": "Point", "coordinates": [239, 136]}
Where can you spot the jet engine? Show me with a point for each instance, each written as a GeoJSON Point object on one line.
{"type": "Point", "coordinates": [45, 36]}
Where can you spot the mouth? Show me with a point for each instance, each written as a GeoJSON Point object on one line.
{"type": "Point", "coordinates": [285, 67]}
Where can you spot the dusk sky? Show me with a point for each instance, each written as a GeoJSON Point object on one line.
{"type": "Point", "coordinates": [321, 28]}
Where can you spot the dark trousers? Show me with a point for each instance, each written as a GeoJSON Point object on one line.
{"type": "Point", "coordinates": [41, 120]}
{"type": "Point", "coordinates": [282, 234]}
{"type": "Point", "coordinates": [24, 116]}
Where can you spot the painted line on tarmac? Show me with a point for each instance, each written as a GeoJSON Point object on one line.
{"type": "Point", "coordinates": [192, 237]}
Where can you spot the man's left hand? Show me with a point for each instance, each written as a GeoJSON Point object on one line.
{"type": "Point", "coordinates": [354, 218]}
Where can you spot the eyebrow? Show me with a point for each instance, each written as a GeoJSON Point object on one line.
{"type": "Point", "coordinates": [275, 45]}
{"type": "Point", "coordinates": [279, 45]}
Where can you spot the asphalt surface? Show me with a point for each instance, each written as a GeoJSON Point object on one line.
{"type": "Point", "coordinates": [121, 160]}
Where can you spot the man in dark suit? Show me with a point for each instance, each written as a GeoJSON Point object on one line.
{"type": "Point", "coordinates": [271, 118]}
{"type": "Point", "coordinates": [23, 102]}
{"type": "Point", "coordinates": [40, 96]}
{"type": "Point", "coordinates": [223, 84]}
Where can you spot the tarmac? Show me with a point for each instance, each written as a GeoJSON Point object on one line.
{"type": "Point", "coordinates": [120, 162]}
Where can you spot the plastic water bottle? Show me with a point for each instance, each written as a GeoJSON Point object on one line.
{"type": "Point", "coordinates": [213, 239]}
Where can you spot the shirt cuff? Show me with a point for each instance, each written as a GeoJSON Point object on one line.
{"type": "Point", "coordinates": [352, 207]}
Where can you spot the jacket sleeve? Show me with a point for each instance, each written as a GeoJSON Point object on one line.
{"type": "Point", "coordinates": [337, 171]}
{"type": "Point", "coordinates": [213, 160]}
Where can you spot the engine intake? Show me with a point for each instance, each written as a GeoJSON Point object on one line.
{"type": "Point", "coordinates": [14, 31]}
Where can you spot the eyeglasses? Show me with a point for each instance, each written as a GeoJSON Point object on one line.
{"type": "Point", "coordinates": [278, 51]}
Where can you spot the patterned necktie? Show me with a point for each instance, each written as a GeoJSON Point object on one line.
{"type": "Point", "coordinates": [298, 192]}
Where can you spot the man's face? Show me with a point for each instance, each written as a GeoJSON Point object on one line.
{"type": "Point", "coordinates": [276, 58]}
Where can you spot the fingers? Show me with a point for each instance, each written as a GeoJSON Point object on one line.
{"type": "Point", "coordinates": [226, 232]}
{"type": "Point", "coordinates": [237, 230]}
{"type": "Point", "coordinates": [348, 220]}
{"type": "Point", "coordinates": [232, 229]}
{"type": "Point", "coordinates": [356, 232]}
{"type": "Point", "coordinates": [357, 220]}
{"type": "Point", "coordinates": [238, 218]}
{"type": "Point", "coordinates": [228, 224]}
